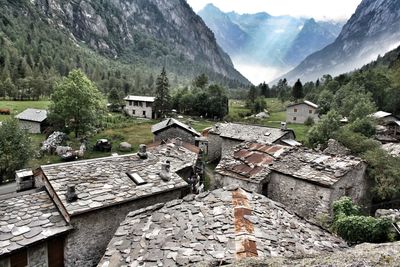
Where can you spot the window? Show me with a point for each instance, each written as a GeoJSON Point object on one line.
{"type": "Point", "coordinates": [310, 111]}
{"type": "Point", "coordinates": [133, 112]}
{"type": "Point", "coordinates": [149, 104]}
{"type": "Point", "coordinates": [144, 113]}
{"type": "Point", "coordinates": [295, 110]}
{"type": "Point", "coordinates": [294, 118]}
{"type": "Point", "coordinates": [136, 178]}
{"type": "Point", "coordinates": [130, 103]}
{"type": "Point", "coordinates": [135, 103]}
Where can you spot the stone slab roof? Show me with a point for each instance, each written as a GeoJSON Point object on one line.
{"type": "Point", "coordinates": [392, 148]}
{"type": "Point", "coordinates": [140, 98]}
{"type": "Point", "coordinates": [317, 167]}
{"type": "Point", "coordinates": [104, 182]}
{"type": "Point", "coordinates": [31, 114]}
{"type": "Point", "coordinates": [216, 227]}
{"type": "Point", "coordinates": [380, 114]}
{"type": "Point", "coordinates": [171, 122]}
{"type": "Point", "coordinates": [27, 219]}
{"type": "Point", "coordinates": [254, 161]}
{"type": "Point", "coordinates": [250, 161]}
{"type": "Point", "coordinates": [243, 132]}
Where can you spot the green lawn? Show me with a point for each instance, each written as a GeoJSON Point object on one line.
{"type": "Point", "coordinates": [19, 106]}
{"type": "Point", "coordinates": [277, 112]}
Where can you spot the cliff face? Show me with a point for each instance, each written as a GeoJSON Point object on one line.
{"type": "Point", "coordinates": [373, 29]}
{"type": "Point", "coordinates": [155, 29]}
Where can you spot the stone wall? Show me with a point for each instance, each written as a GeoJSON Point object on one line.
{"type": "Point", "coordinates": [308, 200]}
{"type": "Point", "coordinates": [223, 180]}
{"type": "Point", "coordinates": [302, 114]}
{"type": "Point", "coordinates": [228, 146]}
{"type": "Point", "coordinates": [93, 231]}
{"type": "Point", "coordinates": [214, 147]}
{"type": "Point", "coordinates": [30, 126]}
{"type": "Point", "coordinates": [37, 256]}
{"type": "Point", "coordinates": [137, 111]}
{"type": "Point", "coordinates": [174, 132]}
{"type": "Point", "coordinates": [355, 185]}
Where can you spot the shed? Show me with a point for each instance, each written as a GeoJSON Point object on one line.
{"type": "Point", "coordinates": [33, 120]}
{"type": "Point", "coordinates": [172, 128]}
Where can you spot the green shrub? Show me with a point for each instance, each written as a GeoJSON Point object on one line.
{"type": "Point", "coordinates": [355, 228]}
{"type": "Point", "coordinates": [309, 122]}
{"type": "Point", "coordinates": [359, 229]}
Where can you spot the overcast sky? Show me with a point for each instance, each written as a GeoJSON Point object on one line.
{"type": "Point", "coordinates": [318, 9]}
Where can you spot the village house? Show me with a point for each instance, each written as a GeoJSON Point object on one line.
{"type": "Point", "coordinates": [383, 117]}
{"type": "Point", "coordinates": [33, 120]}
{"type": "Point", "coordinates": [305, 181]}
{"type": "Point", "coordinates": [32, 230]}
{"type": "Point", "coordinates": [388, 127]}
{"type": "Point", "coordinates": [214, 228]}
{"type": "Point", "coordinates": [94, 196]}
{"type": "Point", "coordinates": [300, 112]}
{"type": "Point", "coordinates": [172, 128]}
{"type": "Point", "coordinates": [223, 137]}
{"type": "Point", "coordinates": [140, 106]}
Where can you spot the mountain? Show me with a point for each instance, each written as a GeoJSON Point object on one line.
{"type": "Point", "coordinates": [373, 29]}
{"type": "Point", "coordinates": [269, 41]}
{"type": "Point", "coordinates": [312, 37]}
{"type": "Point", "coordinates": [129, 37]}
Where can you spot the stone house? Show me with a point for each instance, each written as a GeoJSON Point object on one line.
{"type": "Point", "coordinates": [300, 112]}
{"type": "Point", "coordinates": [140, 106]}
{"type": "Point", "coordinates": [223, 137]}
{"type": "Point", "coordinates": [383, 117]}
{"type": "Point", "coordinates": [215, 228]}
{"type": "Point", "coordinates": [33, 120]}
{"type": "Point", "coordinates": [32, 231]}
{"type": "Point", "coordinates": [305, 181]}
{"type": "Point", "coordinates": [94, 196]}
{"type": "Point", "coordinates": [172, 128]}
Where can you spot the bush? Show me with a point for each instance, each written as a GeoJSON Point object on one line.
{"type": "Point", "coordinates": [355, 228]}
{"type": "Point", "coordinates": [309, 121]}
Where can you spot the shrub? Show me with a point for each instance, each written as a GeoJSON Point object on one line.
{"type": "Point", "coordinates": [355, 228]}
{"type": "Point", "coordinates": [309, 121]}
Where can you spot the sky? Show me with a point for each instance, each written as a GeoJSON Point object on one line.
{"type": "Point", "coordinates": [318, 9]}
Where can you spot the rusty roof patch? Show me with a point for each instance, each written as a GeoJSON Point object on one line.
{"type": "Point", "coordinates": [244, 229]}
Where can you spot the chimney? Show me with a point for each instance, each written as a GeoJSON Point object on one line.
{"type": "Point", "coordinates": [165, 173]}
{"type": "Point", "coordinates": [71, 194]}
{"type": "Point", "coordinates": [25, 180]}
{"type": "Point", "coordinates": [283, 126]}
{"type": "Point", "coordinates": [178, 142]}
{"type": "Point", "coordinates": [142, 151]}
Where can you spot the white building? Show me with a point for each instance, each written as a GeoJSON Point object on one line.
{"type": "Point", "coordinates": [300, 112]}
{"type": "Point", "coordinates": [139, 106]}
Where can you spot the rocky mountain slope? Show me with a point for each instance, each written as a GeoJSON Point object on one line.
{"type": "Point", "coordinates": [373, 29]}
{"type": "Point", "coordinates": [147, 33]}
{"type": "Point", "coordinates": [264, 39]}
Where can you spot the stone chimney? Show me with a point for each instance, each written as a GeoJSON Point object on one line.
{"type": "Point", "coordinates": [165, 173]}
{"type": "Point", "coordinates": [178, 142]}
{"type": "Point", "coordinates": [25, 180]}
{"type": "Point", "coordinates": [283, 126]}
{"type": "Point", "coordinates": [142, 151]}
{"type": "Point", "coordinates": [71, 194]}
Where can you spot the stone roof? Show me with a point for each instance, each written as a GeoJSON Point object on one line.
{"type": "Point", "coordinates": [380, 114]}
{"type": "Point", "coordinates": [254, 161]}
{"type": "Point", "coordinates": [250, 161]}
{"type": "Point", "coordinates": [104, 182]}
{"type": "Point", "coordinates": [214, 227]}
{"type": "Point", "coordinates": [170, 122]}
{"type": "Point", "coordinates": [243, 132]}
{"type": "Point", "coordinates": [31, 114]}
{"type": "Point", "coordinates": [316, 167]}
{"type": "Point", "coordinates": [140, 98]}
{"type": "Point", "coordinates": [28, 218]}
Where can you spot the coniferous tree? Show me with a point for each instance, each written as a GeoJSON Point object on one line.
{"type": "Point", "coordinates": [297, 91]}
{"type": "Point", "coordinates": [163, 99]}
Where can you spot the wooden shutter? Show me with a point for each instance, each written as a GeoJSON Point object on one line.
{"type": "Point", "coordinates": [55, 251]}
{"type": "Point", "coordinates": [19, 259]}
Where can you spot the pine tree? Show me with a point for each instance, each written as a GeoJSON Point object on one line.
{"type": "Point", "coordinates": [163, 98]}
{"type": "Point", "coordinates": [297, 91]}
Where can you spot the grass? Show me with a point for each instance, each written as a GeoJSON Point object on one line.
{"type": "Point", "coordinates": [277, 112]}
{"type": "Point", "coordinates": [19, 106]}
